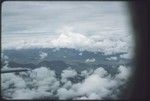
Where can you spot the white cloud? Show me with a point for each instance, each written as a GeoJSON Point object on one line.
{"type": "Point", "coordinates": [40, 80]}
{"type": "Point", "coordinates": [101, 72]}
{"type": "Point", "coordinates": [90, 60]}
{"type": "Point", "coordinates": [112, 58]}
{"type": "Point", "coordinates": [106, 43]}
{"type": "Point", "coordinates": [4, 56]}
{"type": "Point", "coordinates": [43, 55]}
{"type": "Point", "coordinates": [12, 79]}
{"type": "Point", "coordinates": [44, 83]}
{"type": "Point", "coordinates": [5, 60]}
{"type": "Point", "coordinates": [126, 56]}
{"type": "Point", "coordinates": [84, 73]}
{"type": "Point", "coordinates": [93, 96]}
{"type": "Point", "coordinates": [45, 77]}
{"type": "Point", "coordinates": [124, 72]}
{"type": "Point", "coordinates": [81, 98]}
{"type": "Point", "coordinates": [67, 85]}
{"type": "Point", "coordinates": [68, 73]}
{"type": "Point", "coordinates": [66, 94]}
{"type": "Point", "coordinates": [80, 54]}
{"type": "Point", "coordinates": [30, 94]}
{"type": "Point", "coordinates": [96, 84]}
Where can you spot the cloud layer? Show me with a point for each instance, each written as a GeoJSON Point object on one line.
{"type": "Point", "coordinates": [43, 83]}
{"type": "Point", "coordinates": [106, 43]}
{"type": "Point", "coordinates": [46, 17]}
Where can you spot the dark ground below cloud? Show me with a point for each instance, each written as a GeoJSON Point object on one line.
{"type": "Point", "coordinates": [60, 59]}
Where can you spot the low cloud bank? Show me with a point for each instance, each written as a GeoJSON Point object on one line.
{"type": "Point", "coordinates": [43, 83]}
{"type": "Point", "coordinates": [108, 43]}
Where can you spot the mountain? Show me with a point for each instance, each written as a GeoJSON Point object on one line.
{"type": "Point", "coordinates": [57, 65]}
{"type": "Point", "coordinates": [60, 59]}
{"type": "Point", "coordinates": [65, 54]}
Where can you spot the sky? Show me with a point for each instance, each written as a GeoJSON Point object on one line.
{"type": "Point", "coordinates": [48, 17]}
{"type": "Point", "coordinates": [93, 26]}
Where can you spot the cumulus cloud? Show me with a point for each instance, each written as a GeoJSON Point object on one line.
{"type": "Point", "coordinates": [124, 72]}
{"type": "Point", "coordinates": [84, 73]}
{"type": "Point", "coordinates": [100, 71]}
{"type": "Point", "coordinates": [5, 61]}
{"type": "Point", "coordinates": [105, 43]}
{"type": "Point", "coordinates": [43, 55]}
{"type": "Point", "coordinates": [80, 54]}
{"type": "Point", "coordinates": [112, 58]}
{"type": "Point", "coordinates": [67, 84]}
{"type": "Point", "coordinates": [93, 87]}
{"type": "Point", "coordinates": [66, 94]}
{"type": "Point", "coordinates": [127, 56]}
{"type": "Point", "coordinates": [68, 73]}
{"type": "Point", "coordinates": [4, 56]}
{"type": "Point", "coordinates": [90, 60]}
{"type": "Point", "coordinates": [96, 86]}
{"type": "Point", "coordinates": [43, 83]}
